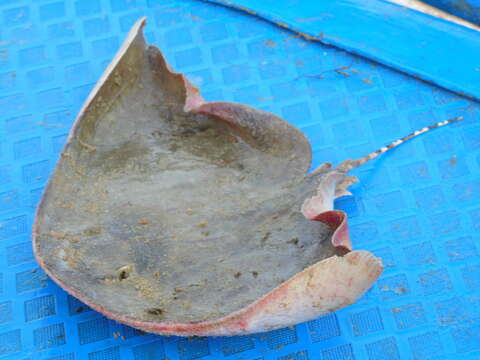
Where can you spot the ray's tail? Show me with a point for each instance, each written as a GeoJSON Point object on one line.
{"type": "Point", "coordinates": [350, 164]}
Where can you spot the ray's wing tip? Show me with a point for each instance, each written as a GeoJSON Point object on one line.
{"type": "Point", "coordinates": [139, 24]}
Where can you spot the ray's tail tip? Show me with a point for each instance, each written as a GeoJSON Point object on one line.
{"type": "Point", "coordinates": [457, 118]}
{"type": "Point", "coordinates": [446, 122]}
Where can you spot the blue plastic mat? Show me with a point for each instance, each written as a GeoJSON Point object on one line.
{"type": "Point", "coordinates": [418, 44]}
{"type": "Point", "coordinates": [418, 208]}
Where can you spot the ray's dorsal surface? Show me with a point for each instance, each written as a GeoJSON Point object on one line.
{"type": "Point", "coordinates": [167, 210]}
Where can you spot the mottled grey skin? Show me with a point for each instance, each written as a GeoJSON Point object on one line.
{"type": "Point", "coordinates": [164, 215]}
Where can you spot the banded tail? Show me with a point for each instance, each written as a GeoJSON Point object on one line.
{"type": "Point", "coordinates": [350, 164]}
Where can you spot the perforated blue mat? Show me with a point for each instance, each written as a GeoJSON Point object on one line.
{"type": "Point", "coordinates": [418, 208]}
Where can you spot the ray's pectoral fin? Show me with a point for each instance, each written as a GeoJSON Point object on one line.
{"type": "Point", "coordinates": [173, 183]}
{"type": "Point", "coordinates": [329, 285]}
